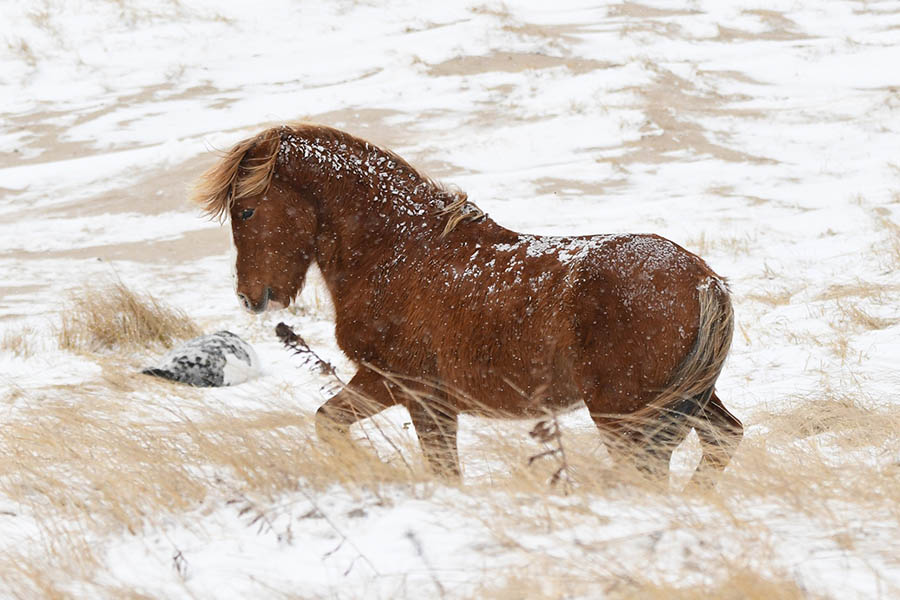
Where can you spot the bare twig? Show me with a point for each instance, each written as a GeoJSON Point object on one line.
{"type": "Point", "coordinates": [337, 530]}
{"type": "Point", "coordinates": [417, 545]}
{"type": "Point", "coordinates": [258, 515]}
{"type": "Point", "coordinates": [180, 563]}
{"type": "Point", "coordinates": [547, 431]}
{"type": "Point", "coordinates": [294, 342]}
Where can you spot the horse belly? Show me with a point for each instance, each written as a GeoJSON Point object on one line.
{"type": "Point", "coordinates": [510, 353]}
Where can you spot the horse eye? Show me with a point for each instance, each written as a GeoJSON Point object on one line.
{"type": "Point", "coordinates": [246, 213]}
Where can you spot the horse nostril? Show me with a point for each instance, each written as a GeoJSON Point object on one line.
{"type": "Point", "coordinates": [259, 307]}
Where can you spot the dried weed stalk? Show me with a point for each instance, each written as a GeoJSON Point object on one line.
{"type": "Point", "coordinates": [547, 431]}
{"type": "Point", "coordinates": [309, 357]}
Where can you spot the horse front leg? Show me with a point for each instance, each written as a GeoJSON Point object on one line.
{"type": "Point", "coordinates": [367, 393]}
{"type": "Point", "coordinates": [436, 427]}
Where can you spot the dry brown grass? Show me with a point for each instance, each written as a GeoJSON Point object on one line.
{"type": "Point", "coordinates": [41, 18]}
{"type": "Point", "coordinates": [875, 292]}
{"type": "Point", "coordinates": [772, 297]}
{"type": "Point", "coordinates": [19, 342]}
{"type": "Point", "coordinates": [89, 462]}
{"type": "Point", "coordinates": [829, 446]}
{"type": "Point", "coordinates": [22, 578]}
{"type": "Point", "coordinates": [744, 584]}
{"type": "Point", "coordinates": [846, 416]}
{"type": "Point", "coordinates": [813, 464]}
{"type": "Point", "coordinates": [91, 459]}
{"type": "Point", "coordinates": [705, 245]}
{"type": "Point", "coordinates": [850, 315]}
{"type": "Point", "coordinates": [83, 461]}
{"type": "Point", "coordinates": [24, 50]}
{"type": "Point", "coordinates": [889, 249]}
{"type": "Point", "coordinates": [740, 585]}
{"type": "Point", "coordinates": [848, 310]}
{"type": "Point", "coordinates": [860, 319]}
{"type": "Point", "coordinates": [111, 316]}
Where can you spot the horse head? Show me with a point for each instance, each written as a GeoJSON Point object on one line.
{"type": "Point", "coordinates": [273, 224]}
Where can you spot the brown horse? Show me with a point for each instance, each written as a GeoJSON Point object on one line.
{"type": "Point", "coordinates": [428, 290]}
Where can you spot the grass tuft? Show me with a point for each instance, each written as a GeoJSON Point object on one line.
{"type": "Point", "coordinates": [112, 316]}
{"type": "Point", "coordinates": [890, 247]}
{"type": "Point", "coordinates": [94, 465]}
{"type": "Point", "coordinates": [19, 342]}
{"type": "Point", "coordinates": [772, 297]}
{"type": "Point", "coordinates": [875, 292]}
{"type": "Point", "coordinates": [860, 319]}
{"type": "Point", "coordinates": [739, 585]}
{"type": "Point", "coordinates": [731, 245]}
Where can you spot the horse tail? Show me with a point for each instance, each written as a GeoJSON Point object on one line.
{"type": "Point", "coordinates": [692, 383]}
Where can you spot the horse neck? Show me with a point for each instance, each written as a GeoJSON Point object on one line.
{"type": "Point", "coordinates": [368, 201]}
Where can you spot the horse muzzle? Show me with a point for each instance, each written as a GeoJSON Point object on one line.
{"type": "Point", "coordinates": [260, 306]}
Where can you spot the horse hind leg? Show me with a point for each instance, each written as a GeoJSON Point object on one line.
{"type": "Point", "coordinates": [648, 445]}
{"type": "Point", "coordinates": [657, 440]}
{"type": "Point", "coordinates": [720, 433]}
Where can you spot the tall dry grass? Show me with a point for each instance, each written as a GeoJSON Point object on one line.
{"type": "Point", "coordinates": [117, 455]}
{"type": "Point", "coordinates": [21, 342]}
{"type": "Point", "coordinates": [889, 248]}
{"type": "Point", "coordinates": [876, 292]}
{"type": "Point", "coordinates": [705, 245]}
{"type": "Point", "coordinates": [85, 466]}
{"type": "Point", "coordinates": [740, 585]}
{"type": "Point", "coordinates": [104, 317]}
{"type": "Point", "coordinates": [818, 468]}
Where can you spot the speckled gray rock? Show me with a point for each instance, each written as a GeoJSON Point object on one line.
{"type": "Point", "coordinates": [214, 360]}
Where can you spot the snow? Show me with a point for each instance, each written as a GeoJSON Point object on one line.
{"type": "Point", "coordinates": [761, 135]}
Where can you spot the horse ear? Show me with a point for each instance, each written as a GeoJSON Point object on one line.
{"type": "Point", "coordinates": [245, 170]}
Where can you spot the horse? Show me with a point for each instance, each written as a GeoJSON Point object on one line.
{"type": "Point", "coordinates": [436, 302]}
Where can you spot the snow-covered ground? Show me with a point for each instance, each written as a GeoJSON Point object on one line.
{"type": "Point", "coordinates": [760, 134]}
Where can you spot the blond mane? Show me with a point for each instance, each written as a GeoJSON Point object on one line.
{"type": "Point", "coordinates": [460, 210]}
{"type": "Point", "coordinates": [248, 167]}
{"type": "Point", "coordinates": [238, 175]}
